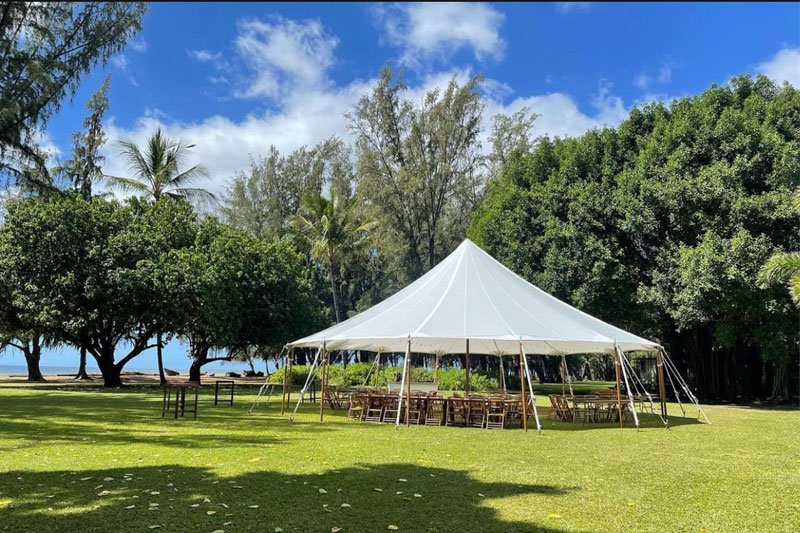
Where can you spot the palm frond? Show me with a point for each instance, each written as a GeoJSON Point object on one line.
{"type": "Point", "coordinates": [780, 268]}
{"type": "Point", "coordinates": [127, 184]}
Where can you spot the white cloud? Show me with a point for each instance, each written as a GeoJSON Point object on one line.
{"type": "Point", "coordinates": [663, 75]}
{"type": "Point", "coordinates": [139, 45]}
{"type": "Point", "coordinates": [435, 31]}
{"type": "Point", "coordinates": [284, 53]}
{"type": "Point", "coordinates": [204, 55]}
{"type": "Point", "coordinates": [573, 7]}
{"type": "Point", "coordinates": [783, 66]}
{"type": "Point", "coordinates": [307, 107]}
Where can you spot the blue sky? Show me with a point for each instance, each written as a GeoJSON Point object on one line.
{"type": "Point", "coordinates": [235, 78]}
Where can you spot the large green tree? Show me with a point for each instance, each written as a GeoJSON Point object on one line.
{"type": "Point", "coordinates": [662, 225]}
{"type": "Point", "coordinates": [230, 293]}
{"type": "Point", "coordinates": [45, 50]}
{"type": "Point", "coordinates": [72, 269]}
{"type": "Point", "coordinates": [260, 200]}
{"type": "Point", "coordinates": [420, 167]}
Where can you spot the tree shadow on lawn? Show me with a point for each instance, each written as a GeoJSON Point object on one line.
{"type": "Point", "coordinates": [646, 421]}
{"type": "Point", "coordinates": [412, 497]}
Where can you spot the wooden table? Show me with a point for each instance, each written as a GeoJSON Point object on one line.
{"type": "Point", "coordinates": [223, 382]}
{"type": "Point", "coordinates": [180, 388]}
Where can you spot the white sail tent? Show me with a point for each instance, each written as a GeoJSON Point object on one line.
{"type": "Point", "coordinates": [471, 295]}
{"type": "Point", "coordinates": [471, 303]}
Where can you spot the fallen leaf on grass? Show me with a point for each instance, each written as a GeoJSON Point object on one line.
{"type": "Point", "coordinates": [335, 529]}
{"type": "Point", "coordinates": [345, 505]}
{"type": "Point", "coordinates": [418, 495]}
{"type": "Point", "coordinates": [392, 527]}
{"type": "Point", "coordinates": [553, 515]}
{"type": "Point", "coordinates": [378, 490]}
{"type": "Point", "coordinates": [130, 507]}
{"type": "Point", "coordinates": [210, 513]}
{"type": "Point", "coordinates": [323, 491]}
{"type": "Point", "coordinates": [253, 506]}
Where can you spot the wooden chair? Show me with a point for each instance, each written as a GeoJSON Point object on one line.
{"type": "Point", "coordinates": [435, 411]}
{"type": "Point", "coordinates": [374, 408]}
{"type": "Point", "coordinates": [477, 412]}
{"type": "Point", "coordinates": [458, 408]}
{"type": "Point", "coordinates": [391, 405]}
{"type": "Point", "coordinates": [496, 413]}
{"type": "Point", "coordinates": [559, 410]}
{"type": "Point", "coordinates": [416, 408]}
{"type": "Point", "coordinates": [356, 409]}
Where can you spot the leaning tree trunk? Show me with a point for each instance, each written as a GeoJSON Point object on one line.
{"type": "Point", "coordinates": [82, 366]}
{"type": "Point", "coordinates": [33, 354]}
{"type": "Point", "coordinates": [159, 346]}
{"type": "Point", "coordinates": [199, 356]}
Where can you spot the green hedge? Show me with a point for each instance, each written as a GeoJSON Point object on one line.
{"type": "Point", "coordinates": [354, 374]}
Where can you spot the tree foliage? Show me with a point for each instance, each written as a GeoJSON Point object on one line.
{"type": "Point", "coordinates": [47, 47]}
{"type": "Point", "coordinates": [662, 225]}
{"type": "Point", "coordinates": [420, 167]}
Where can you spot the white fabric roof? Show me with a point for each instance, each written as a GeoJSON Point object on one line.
{"type": "Point", "coordinates": [470, 295]}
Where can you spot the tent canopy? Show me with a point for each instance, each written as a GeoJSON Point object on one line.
{"type": "Point", "coordinates": [470, 295]}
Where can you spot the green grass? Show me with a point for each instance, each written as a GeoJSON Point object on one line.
{"type": "Point", "coordinates": [59, 447]}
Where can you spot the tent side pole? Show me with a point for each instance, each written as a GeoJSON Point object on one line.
{"type": "Point", "coordinates": [563, 376]}
{"type": "Point", "coordinates": [502, 374]}
{"type": "Point", "coordinates": [408, 384]}
{"type": "Point", "coordinates": [662, 393]}
{"type": "Point", "coordinates": [533, 394]}
{"type": "Point", "coordinates": [402, 386]}
{"type": "Point", "coordinates": [324, 368]}
{"type": "Point", "coordinates": [466, 382]}
{"type": "Point", "coordinates": [378, 370]}
{"type": "Point", "coordinates": [628, 387]}
{"type": "Point", "coordinates": [437, 364]}
{"type": "Point", "coordinates": [522, 366]}
{"type": "Point", "coordinates": [617, 364]}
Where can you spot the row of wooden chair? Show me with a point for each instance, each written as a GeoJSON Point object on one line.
{"type": "Point", "coordinates": [429, 409]}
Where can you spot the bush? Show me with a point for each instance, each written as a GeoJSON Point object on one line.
{"type": "Point", "coordinates": [450, 379]}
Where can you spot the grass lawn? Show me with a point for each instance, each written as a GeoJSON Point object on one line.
{"type": "Point", "coordinates": [84, 459]}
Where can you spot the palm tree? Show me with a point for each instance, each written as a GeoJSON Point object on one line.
{"type": "Point", "coordinates": [157, 174]}
{"type": "Point", "coordinates": [332, 229]}
{"type": "Point", "coordinates": [156, 170]}
{"type": "Point", "coordinates": [784, 267]}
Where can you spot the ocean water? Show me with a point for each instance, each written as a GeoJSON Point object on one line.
{"type": "Point", "coordinates": [22, 370]}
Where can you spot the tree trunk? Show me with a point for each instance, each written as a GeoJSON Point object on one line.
{"type": "Point", "coordinates": [82, 366]}
{"type": "Point", "coordinates": [334, 292]}
{"type": "Point", "coordinates": [199, 356]}
{"type": "Point", "coordinates": [112, 374]}
{"type": "Point", "coordinates": [33, 353]}
{"type": "Point", "coordinates": [162, 378]}
{"type": "Point", "coordinates": [194, 370]}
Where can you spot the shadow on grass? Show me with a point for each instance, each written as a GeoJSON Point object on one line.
{"type": "Point", "coordinates": [428, 499]}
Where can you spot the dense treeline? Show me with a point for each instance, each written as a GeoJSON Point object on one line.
{"type": "Point", "coordinates": [661, 226]}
